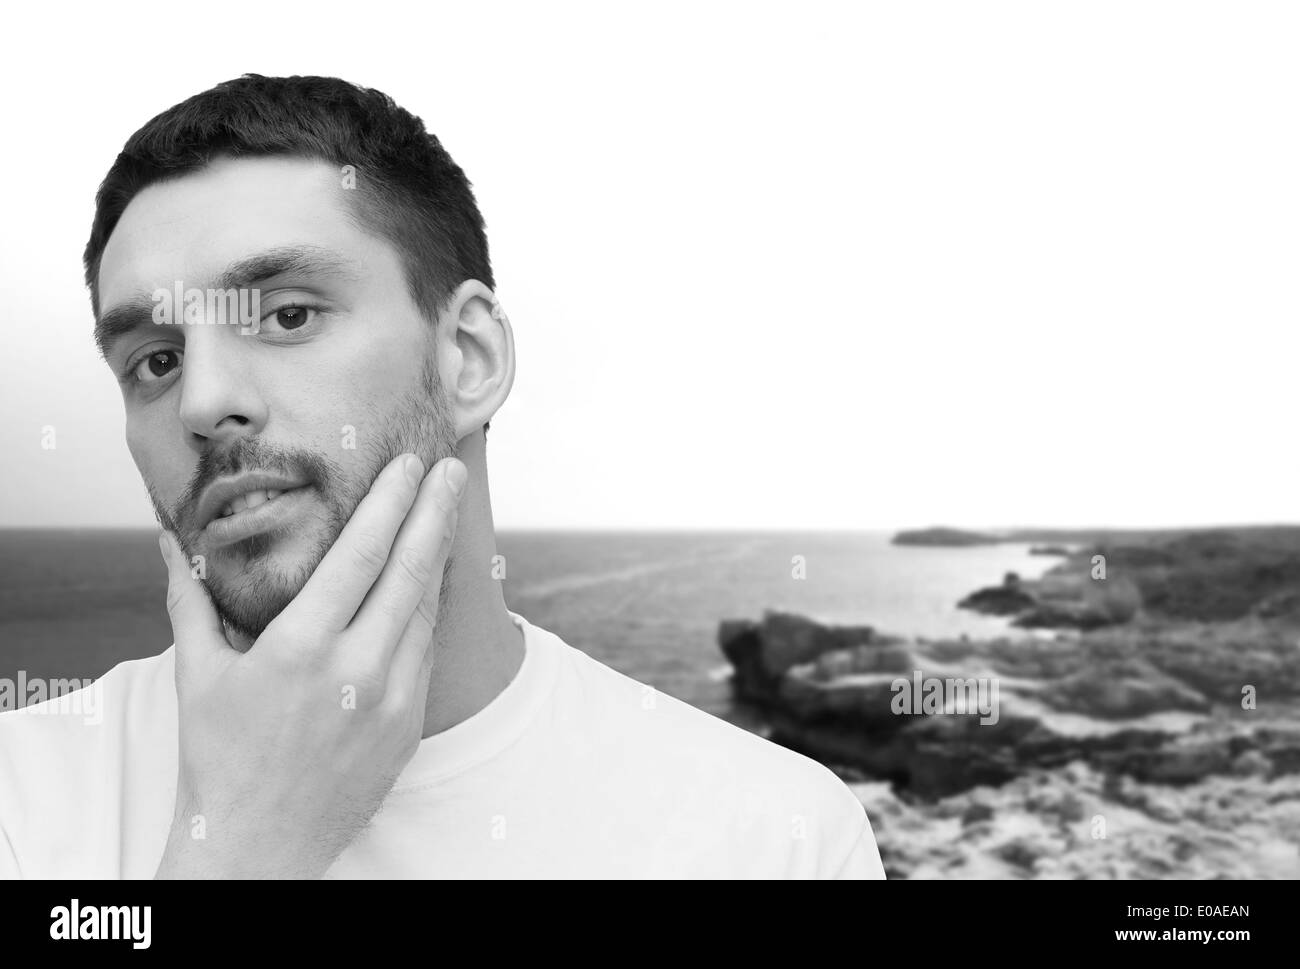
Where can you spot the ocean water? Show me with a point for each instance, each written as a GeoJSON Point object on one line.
{"type": "Point", "coordinates": [74, 603]}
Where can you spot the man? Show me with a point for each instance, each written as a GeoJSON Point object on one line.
{"type": "Point", "coordinates": [348, 694]}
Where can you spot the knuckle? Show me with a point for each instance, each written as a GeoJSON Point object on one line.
{"type": "Point", "coordinates": [417, 565]}
{"type": "Point", "coordinates": [291, 642]}
{"type": "Point", "coordinates": [333, 586]}
{"type": "Point", "coordinates": [369, 551]}
{"type": "Point", "coordinates": [398, 713]}
{"type": "Point", "coordinates": [391, 709]}
{"type": "Point", "coordinates": [175, 597]}
{"type": "Point", "coordinates": [288, 660]}
{"type": "Point", "coordinates": [427, 610]}
{"type": "Point", "coordinates": [445, 534]}
{"type": "Point", "coordinates": [367, 684]}
{"type": "Point", "coordinates": [445, 501]}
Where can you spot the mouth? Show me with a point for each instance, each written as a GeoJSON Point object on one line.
{"type": "Point", "coordinates": [249, 501]}
{"type": "Point", "coordinates": [254, 511]}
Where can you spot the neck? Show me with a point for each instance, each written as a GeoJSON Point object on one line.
{"type": "Point", "coordinates": [478, 648]}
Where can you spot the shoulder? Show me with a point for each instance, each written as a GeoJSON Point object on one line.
{"type": "Point", "coordinates": [61, 720]}
{"type": "Point", "coordinates": [635, 712]}
{"type": "Point", "coordinates": [75, 764]}
{"type": "Point", "coordinates": [702, 770]}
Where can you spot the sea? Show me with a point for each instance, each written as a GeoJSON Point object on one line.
{"type": "Point", "coordinates": [75, 602]}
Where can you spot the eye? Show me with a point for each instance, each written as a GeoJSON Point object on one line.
{"type": "Point", "coordinates": [156, 366]}
{"type": "Point", "coordinates": [290, 317]}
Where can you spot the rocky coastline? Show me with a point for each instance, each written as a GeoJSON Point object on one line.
{"type": "Point", "coordinates": [1142, 730]}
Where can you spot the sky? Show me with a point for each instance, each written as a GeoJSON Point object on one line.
{"type": "Point", "coordinates": [801, 265]}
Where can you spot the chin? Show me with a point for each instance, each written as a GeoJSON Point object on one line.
{"type": "Point", "coordinates": [252, 581]}
{"type": "Point", "coordinates": [285, 551]}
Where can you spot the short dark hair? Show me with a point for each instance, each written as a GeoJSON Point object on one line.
{"type": "Point", "coordinates": [408, 186]}
{"type": "Point", "coordinates": [408, 189]}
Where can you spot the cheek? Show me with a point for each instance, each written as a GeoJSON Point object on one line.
{"type": "Point", "coordinates": [137, 442]}
{"type": "Point", "coordinates": [164, 472]}
{"type": "Point", "coordinates": [355, 422]}
{"type": "Point", "coordinates": [371, 384]}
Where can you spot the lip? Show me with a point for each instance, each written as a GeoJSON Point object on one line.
{"type": "Point", "coordinates": [219, 493]}
{"type": "Point", "coordinates": [271, 515]}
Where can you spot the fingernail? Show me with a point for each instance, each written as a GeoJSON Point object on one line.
{"type": "Point", "coordinates": [414, 470]}
{"type": "Point", "coordinates": [456, 474]}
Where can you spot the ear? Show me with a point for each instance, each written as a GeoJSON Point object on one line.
{"type": "Point", "coordinates": [476, 354]}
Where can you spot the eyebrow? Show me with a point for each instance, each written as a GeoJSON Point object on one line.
{"type": "Point", "coordinates": [137, 312]}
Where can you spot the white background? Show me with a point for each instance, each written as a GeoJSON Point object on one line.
{"type": "Point", "coordinates": [768, 265]}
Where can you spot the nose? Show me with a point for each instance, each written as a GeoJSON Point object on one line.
{"type": "Point", "coordinates": [220, 397]}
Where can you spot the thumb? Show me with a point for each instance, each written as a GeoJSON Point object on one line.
{"type": "Point", "coordinates": [196, 627]}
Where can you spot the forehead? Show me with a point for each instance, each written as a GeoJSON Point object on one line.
{"type": "Point", "coordinates": [190, 228]}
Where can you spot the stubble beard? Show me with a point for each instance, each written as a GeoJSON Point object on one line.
{"type": "Point", "coordinates": [249, 600]}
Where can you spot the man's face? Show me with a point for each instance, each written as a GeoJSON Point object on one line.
{"type": "Point", "coordinates": [339, 377]}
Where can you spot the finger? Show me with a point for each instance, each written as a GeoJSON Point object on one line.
{"type": "Point", "coordinates": [196, 628]}
{"type": "Point", "coordinates": [415, 656]}
{"type": "Point", "coordinates": [408, 590]}
{"type": "Point", "coordinates": [412, 666]}
{"type": "Point", "coordinates": [410, 676]}
{"type": "Point", "coordinates": [335, 591]}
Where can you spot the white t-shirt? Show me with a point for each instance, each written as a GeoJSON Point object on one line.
{"type": "Point", "coordinates": [573, 771]}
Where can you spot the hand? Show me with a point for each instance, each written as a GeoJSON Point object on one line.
{"type": "Point", "coordinates": [288, 749]}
